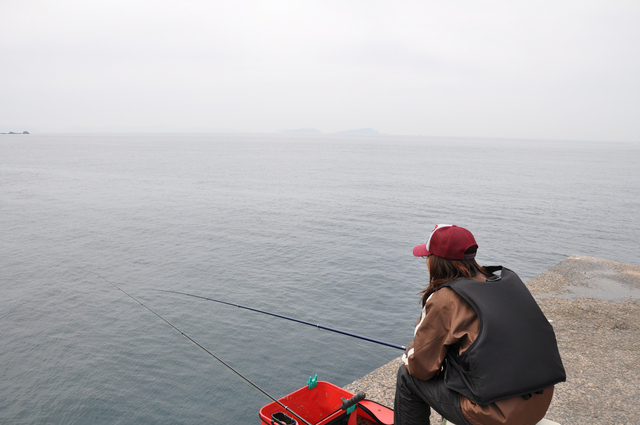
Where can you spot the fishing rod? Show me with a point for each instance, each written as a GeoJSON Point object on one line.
{"type": "Point", "coordinates": [366, 338]}
{"type": "Point", "coordinates": [207, 351]}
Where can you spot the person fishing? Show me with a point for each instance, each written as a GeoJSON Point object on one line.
{"type": "Point", "coordinates": [483, 352]}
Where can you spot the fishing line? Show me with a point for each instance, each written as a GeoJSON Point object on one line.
{"type": "Point", "coordinates": [377, 341]}
{"type": "Point", "coordinates": [206, 351]}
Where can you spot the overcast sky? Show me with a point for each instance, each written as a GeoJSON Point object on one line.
{"type": "Point", "coordinates": [522, 69]}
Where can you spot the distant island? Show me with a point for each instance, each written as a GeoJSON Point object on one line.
{"type": "Point", "coordinates": [11, 132]}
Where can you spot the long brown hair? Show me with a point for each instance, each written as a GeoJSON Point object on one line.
{"type": "Point", "coordinates": [442, 270]}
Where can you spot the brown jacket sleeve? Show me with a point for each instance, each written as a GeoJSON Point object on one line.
{"type": "Point", "coordinates": [447, 320]}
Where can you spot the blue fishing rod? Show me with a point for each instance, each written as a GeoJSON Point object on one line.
{"type": "Point", "coordinates": [346, 403]}
{"type": "Point", "coordinates": [327, 328]}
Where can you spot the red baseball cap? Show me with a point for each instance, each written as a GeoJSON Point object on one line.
{"type": "Point", "coordinates": [448, 241]}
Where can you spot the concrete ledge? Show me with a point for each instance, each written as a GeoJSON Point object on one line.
{"type": "Point", "coordinates": [594, 306]}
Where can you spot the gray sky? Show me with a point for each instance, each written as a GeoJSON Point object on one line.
{"type": "Point", "coordinates": [523, 69]}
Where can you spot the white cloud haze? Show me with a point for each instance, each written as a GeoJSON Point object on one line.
{"type": "Point", "coordinates": [522, 69]}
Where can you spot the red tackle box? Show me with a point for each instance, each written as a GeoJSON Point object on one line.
{"type": "Point", "coordinates": [319, 405]}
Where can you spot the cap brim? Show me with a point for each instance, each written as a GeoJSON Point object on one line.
{"type": "Point", "coordinates": [421, 250]}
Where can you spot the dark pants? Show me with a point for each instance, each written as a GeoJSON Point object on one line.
{"type": "Point", "coordinates": [414, 399]}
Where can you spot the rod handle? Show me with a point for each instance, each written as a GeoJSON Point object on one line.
{"type": "Point", "coordinates": [347, 403]}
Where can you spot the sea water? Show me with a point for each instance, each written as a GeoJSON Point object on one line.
{"type": "Point", "coordinates": [316, 227]}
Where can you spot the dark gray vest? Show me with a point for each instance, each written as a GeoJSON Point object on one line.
{"type": "Point", "coordinates": [515, 353]}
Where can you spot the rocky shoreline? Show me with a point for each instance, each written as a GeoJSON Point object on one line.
{"type": "Point", "coordinates": [594, 307]}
